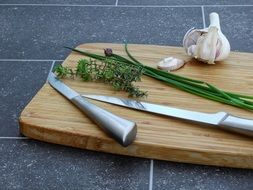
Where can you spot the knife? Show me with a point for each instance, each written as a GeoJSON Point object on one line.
{"type": "Point", "coordinates": [122, 130]}
{"type": "Point", "coordinates": [221, 120]}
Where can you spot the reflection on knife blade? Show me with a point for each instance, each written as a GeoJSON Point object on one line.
{"type": "Point", "coordinates": [222, 120]}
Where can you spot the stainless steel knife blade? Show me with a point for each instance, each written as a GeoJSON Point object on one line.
{"type": "Point", "coordinates": [61, 87]}
{"type": "Point", "coordinates": [220, 119]}
{"type": "Point", "coordinates": [122, 130]}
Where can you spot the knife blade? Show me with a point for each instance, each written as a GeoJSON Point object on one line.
{"type": "Point", "coordinates": [122, 130]}
{"type": "Point", "coordinates": [221, 120]}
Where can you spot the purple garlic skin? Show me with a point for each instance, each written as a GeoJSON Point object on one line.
{"type": "Point", "coordinates": [208, 44]}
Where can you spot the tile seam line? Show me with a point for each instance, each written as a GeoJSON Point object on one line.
{"type": "Point", "coordinates": [151, 174]}
{"type": "Point", "coordinates": [203, 16]}
{"type": "Point", "coordinates": [126, 6]}
{"type": "Point", "coordinates": [15, 138]}
{"type": "Point", "coordinates": [56, 5]}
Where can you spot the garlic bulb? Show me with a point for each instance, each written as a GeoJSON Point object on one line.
{"type": "Point", "coordinates": [208, 44]}
{"type": "Point", "coordinates": [170, 64]}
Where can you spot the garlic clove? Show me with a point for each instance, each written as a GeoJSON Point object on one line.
{"type": "Point", "coordinates": [208, 44]}
{"type": "Point", "coordinates": [191, 36]}
{"type": "Point", "coordinates": [223, 43]}
{"type": "Point", "coordinates": [170, 64]}
{"type": "Point", "coordinates": [224, 48]}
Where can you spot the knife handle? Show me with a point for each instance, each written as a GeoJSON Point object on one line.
{"type": "Point", "coordinates": [122, 130]}
{"type": "Point", "coordinates": [237, 124]}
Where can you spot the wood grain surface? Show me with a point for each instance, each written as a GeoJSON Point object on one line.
{"type": "Point", "coordinates": [52, 118]}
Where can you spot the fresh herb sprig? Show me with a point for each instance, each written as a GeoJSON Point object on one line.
{"type": "Point", "coordinates": [63, 72]}
{"type": "Point", "coordinates": [109, 71]}
{"type": "Point", "coordinates": [197, 87]}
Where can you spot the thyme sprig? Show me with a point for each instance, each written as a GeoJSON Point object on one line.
{"type": "Point", "coordinates": [193, 86]}
{"type": "Point", "coordinates": [63, 72]}
{"type": "Point", "coordinates": [119, 76]}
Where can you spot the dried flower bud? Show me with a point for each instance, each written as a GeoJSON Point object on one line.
{"type": "Point", "coordinates": [108, 51]}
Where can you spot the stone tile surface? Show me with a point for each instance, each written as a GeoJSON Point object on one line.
{"type": "Point", "coordinates": [72, 2]}
{"type": "Point", "coordinates": [27, 31]}
{"type": "Point", "coordinates": [18, 84]}
{"type": "Point", "coordinates": [184, 2]}
{"type": "Point", "coordinates": [27, 164]}
{"type": "Point", "coordinates": [236, 24]}
{"type": "Point", "coordinates": [40, 32]}
{"type": "Point", "coordinates": [174, 176]}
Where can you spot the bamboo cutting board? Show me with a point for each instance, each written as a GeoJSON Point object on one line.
{"type": "Point", "coordinates": [52, 118]}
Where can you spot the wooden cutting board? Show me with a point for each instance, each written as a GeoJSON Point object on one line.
{"type": "Point", "coordinates": [52, 118]}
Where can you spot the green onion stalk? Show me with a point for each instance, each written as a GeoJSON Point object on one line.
{"type": "Point", "coordinates": [197, 87]}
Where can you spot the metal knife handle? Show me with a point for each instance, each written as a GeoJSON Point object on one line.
{"type": "Point", "coordinates": [238, 125]}
{"type": "Point", "coordinates": [122, 130]}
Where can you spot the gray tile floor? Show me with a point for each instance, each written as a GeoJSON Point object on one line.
{"type": "Point", "coordinates": [32, 36]}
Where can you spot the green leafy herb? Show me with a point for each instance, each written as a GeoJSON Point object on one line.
{"type": "Point", "coordinates": [120, 76]}
{"type": "Point", "coordinates": [63, 72]}
{"type": "Point", "coordinates": [192, 86]}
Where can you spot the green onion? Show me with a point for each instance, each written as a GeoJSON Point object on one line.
{"type": "Point", "coordinates": [193, 86]}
